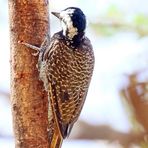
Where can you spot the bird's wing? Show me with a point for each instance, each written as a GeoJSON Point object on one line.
{"type": "Point", "coordinates": [66, 108]}
{"type": "Point", "coordinates": [67, 85]}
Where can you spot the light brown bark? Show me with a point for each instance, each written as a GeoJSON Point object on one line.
{"type": "Point", "coordinates": [29, 23]}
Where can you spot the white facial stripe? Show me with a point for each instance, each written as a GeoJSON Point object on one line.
{"type": "Point", "coordinates": [66, 12]}
{"type": "Point", "coordinates": [67, 23]}
{"type": "Point", "coordinates": [64, 27]}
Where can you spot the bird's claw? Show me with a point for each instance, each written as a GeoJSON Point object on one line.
{"type": "Point", "coordinates": [36, 53]}
{"type": "Point", "coordinates": [37, 49]}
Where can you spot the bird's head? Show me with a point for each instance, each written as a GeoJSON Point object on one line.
{"type": "Point", "coordinates": [73, 21]}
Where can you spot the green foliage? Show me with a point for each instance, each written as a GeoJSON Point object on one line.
{"type": "Point", "coordinates": [114, 12]}
{"type": "Point", "coordinates": [141, 19]}
{"type": "Point", "coordinates": [114, 20]}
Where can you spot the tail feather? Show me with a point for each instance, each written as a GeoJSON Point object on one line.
{"type": "Point", "coordinates": [57, 141]}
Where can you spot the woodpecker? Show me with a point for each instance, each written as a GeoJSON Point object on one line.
{"type": "Point", "coordinates": [66, 64]}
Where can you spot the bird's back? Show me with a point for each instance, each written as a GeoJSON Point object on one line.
{"type": "Point", "coordinates": [68, 70]}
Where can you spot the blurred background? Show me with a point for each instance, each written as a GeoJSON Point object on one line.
{"type": "Point", "coordinates": [115, 114]}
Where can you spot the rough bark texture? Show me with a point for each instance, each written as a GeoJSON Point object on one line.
{"type": "Point", "coordinates": [29, 23]}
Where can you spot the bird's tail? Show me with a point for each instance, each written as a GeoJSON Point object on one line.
{"type": "Point", "coordinates": [56, 141]}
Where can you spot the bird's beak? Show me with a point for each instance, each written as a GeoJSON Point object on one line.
{"type": "Point", "coordinates": [57, 14]}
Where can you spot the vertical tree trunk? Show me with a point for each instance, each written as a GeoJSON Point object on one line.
{"type": "Point", "coordinates": [28, 22]}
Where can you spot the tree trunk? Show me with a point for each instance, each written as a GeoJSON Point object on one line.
{"type": "Point", "coordinates": [29, 23]}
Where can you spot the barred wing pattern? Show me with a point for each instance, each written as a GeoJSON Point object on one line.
{"type": "Point", "coordinates": [66, 74]}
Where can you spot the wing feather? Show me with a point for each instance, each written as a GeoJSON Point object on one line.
{"type": "Point", "coordinates": [66, 75]}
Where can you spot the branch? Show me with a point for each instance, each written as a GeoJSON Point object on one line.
{"type": "Point", "coordinates": [105, 132]}
{"type": "Point", "coordinates": [115, 24]}
{"type": "Point", "coordinates": [28, 22]}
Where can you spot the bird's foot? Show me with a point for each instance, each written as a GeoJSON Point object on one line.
{"type": "Point", "coordinates": [37, 49]}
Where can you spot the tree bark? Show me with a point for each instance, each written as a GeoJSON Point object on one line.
{"type": "Point", "coordinates": [29, 23]}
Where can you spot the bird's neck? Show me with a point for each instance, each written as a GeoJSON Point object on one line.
{"type": "Point", "coordinates": [76, 40]}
